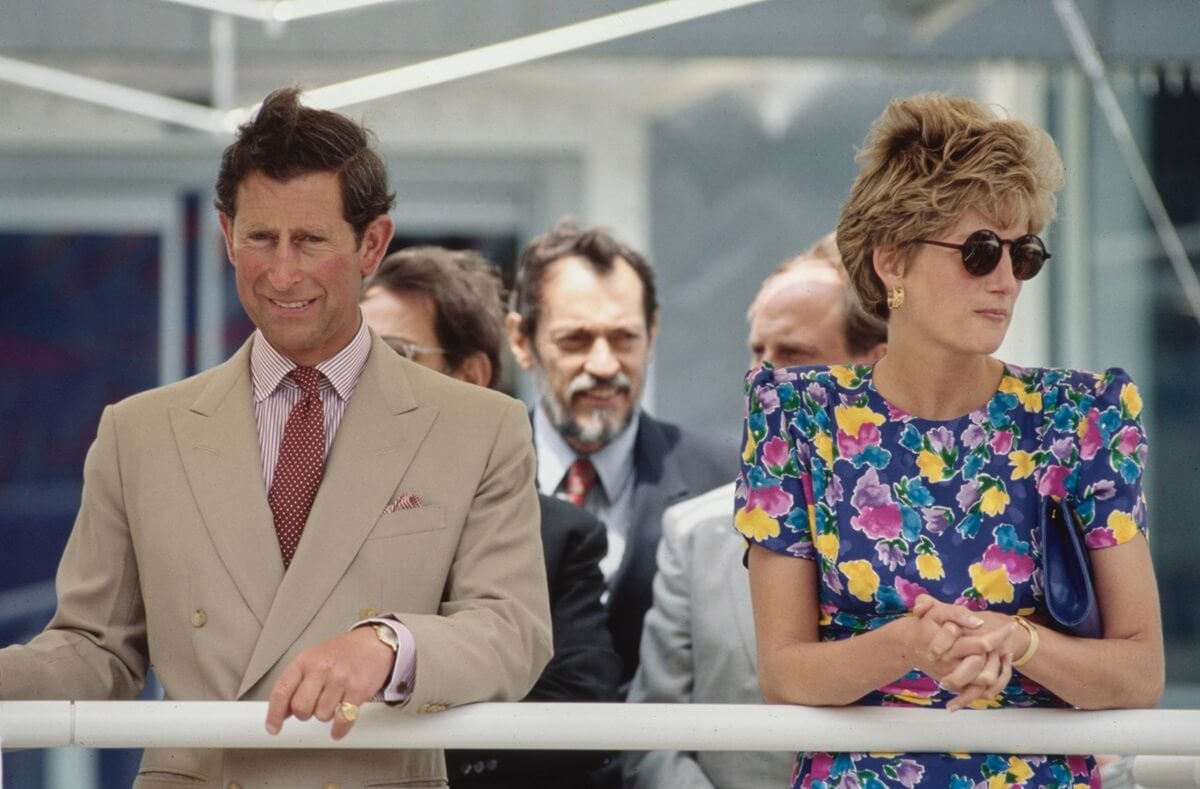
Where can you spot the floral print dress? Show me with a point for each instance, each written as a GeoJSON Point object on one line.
{"type": "Point", "coordinates": [893, 506]}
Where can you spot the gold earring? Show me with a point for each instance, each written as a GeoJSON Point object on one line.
{"type": "Point", "coordinates": [895, 297]}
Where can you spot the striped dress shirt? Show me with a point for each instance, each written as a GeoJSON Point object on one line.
{"type": "Point", "coordinates": [274, 396]}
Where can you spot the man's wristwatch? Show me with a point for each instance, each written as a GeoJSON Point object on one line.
{"type": "Point", "coordinates": [387, 636]}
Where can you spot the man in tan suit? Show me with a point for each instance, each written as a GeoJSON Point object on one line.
{"type": "Point", "coordinates": [318, 521]}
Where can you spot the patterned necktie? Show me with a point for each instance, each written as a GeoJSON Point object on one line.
{"type": "Point", "coordinates": [581, 477]}
{"type": "Point", "coordinates": [301, 463]}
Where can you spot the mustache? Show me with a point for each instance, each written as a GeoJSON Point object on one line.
{"type": "Point", "coordinates": [585, 381]}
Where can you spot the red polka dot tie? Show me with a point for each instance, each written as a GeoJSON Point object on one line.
{"type": "Point", "coordinates": [581, 476]}
{"type": "Point", "coordinates": [301, 463]}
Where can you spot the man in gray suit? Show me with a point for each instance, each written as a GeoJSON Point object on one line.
{"type": "Point", "coordinates": [584, 318]}
{"type": "Point", "coordinates": [698, 643]}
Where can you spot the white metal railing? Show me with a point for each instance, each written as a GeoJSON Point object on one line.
{"type": "Point", "coordinates": [622, 727]}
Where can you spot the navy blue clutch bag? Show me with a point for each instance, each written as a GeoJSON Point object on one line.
{"type": "Point", "coordinates": [1067, 573]}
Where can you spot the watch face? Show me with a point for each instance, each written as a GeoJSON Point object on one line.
{"type": "Point", "coordinates": [388, 636]}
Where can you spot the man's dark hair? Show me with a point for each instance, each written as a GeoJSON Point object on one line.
{"type": "Point", "coordinates": [285, 139]}
{"type": "Point", "coordinates": [567, 239]}
{"type": "Point", "coordinates": [467, 296]}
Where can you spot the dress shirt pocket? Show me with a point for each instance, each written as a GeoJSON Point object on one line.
{"type": "Point", "coordinates": [405, 522]}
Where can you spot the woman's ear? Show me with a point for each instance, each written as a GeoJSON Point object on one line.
{"type": "Point", "coordinates": [889, 265]}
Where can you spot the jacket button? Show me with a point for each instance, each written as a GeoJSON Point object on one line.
{"type": "Point", "coordinates": [233, 785]}
{"type": "Point", "coordinates": [331, 786]}
{"type": "Point", "coordinates": [370, 612]}
{"type": "Point", "coordinates": [200, 619]}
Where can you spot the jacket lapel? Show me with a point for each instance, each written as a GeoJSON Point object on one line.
{"type": "Point", "coordinates": [217, 438]}
{"type": "Point", "coordinates": [379, 436]}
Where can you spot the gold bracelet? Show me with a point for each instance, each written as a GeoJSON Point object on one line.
{"type": "Point", "coordinates": [1033, 640]}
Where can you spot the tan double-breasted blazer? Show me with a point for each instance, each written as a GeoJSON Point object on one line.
{"type": "Point", "coordinates": [173, 562]}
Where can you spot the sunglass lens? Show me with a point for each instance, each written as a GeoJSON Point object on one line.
{"type": "Point", "coordinates": [1028, 256]}
{"type": "Point", "coordinates": [981, 252]}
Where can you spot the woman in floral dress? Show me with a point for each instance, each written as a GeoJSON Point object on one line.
{"type": "Point", "coordinates": [893, 509]}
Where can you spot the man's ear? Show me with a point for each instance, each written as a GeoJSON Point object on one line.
{"type": "Point", "coordinates": [875, 354]}
{"type": "Point", "coordinates": [474, 369]}
{"type": "Point", "coordinates": [375, 242]}
{"type": "Point", "coordinates": [521, 345]}
{"type": "Point", "coordinates": [227, 230]}
{"type": "Point", "coordinates": [888, 263]}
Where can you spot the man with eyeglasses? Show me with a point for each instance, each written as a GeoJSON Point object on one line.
{"type": "Point", "coordinates": [443, 309]}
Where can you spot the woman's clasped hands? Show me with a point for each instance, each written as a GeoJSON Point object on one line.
{"type": "Point", "coordinates": [969, 653]}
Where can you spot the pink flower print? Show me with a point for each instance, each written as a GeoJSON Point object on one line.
{"type": "Point", "coordinates": [971, 603]}
{"type": "Point", "coordinates": [775, 453]}
{"type": "Point", "coordinates": [773, 500]}
{"type": "Point", "coordinates": [1089, 442]}
{"type": "Point", "coordinates": [896, 414]}
{"type": "Point", "coordinates": [819, 766]}
{"type": "Point", "coordinates": [923, 686]}
{"type": "Point", "coordinates": [1019, 567]}
{"type": "Point", "coordinates": [1100, 538]}
{"type": "Point", "coordinates": [878, 523]}
{"type": "Point", "coordinates": [849, 446]}
{"type": "Point", "coordinates": [1078, 765]}
{"type": "Point", "coordinates": [1128, 440]}
{"type": "Point", "coordinates": [909, 592]}
{"type": "Point", "coordinates": [769, 400]}
{"type": "Point", "coordinates": [1053, 481]}
{"type": "Point", "coordinates": [1001, 442]}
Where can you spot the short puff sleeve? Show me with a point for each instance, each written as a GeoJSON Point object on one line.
{"type": "Point", "coordinates": [774, 495]}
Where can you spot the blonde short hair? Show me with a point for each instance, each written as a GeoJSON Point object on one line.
{"type": "Point", "coordinates": [929, 158]}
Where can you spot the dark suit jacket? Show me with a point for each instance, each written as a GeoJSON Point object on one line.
{"type": "Point", "coordinates": [584, 666]}
{"type": "Point", "coordinates": [673, 463]}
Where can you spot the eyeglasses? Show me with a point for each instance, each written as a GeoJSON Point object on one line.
{"type": "Point", "coordinates": [982, 250]}
{"type": "Point", "coordinates": [409, 350]}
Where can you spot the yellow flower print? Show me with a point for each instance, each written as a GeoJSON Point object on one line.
{"type": "Point", "coordinates": [748, 452]}
{"type": "Point", "coordinates": [993, 585]}
{"type": "Point", "coordinates": [929, 567]}
{"type": "Point", "coordinates": [1022, 463]}
{"type": "Point", "coordinates": [1122, 525]}
{"type": "Point", "coordinates": [756, 524]}
{"type": "Point", "coordinates": [1018, 770]}
{"type": "Point", "coordinates": [1131, 399]}
{"type": "Point", "coordinates": [1030, 401]}
{"type": "Point", "coordinates": [863, 579]}
{"type": "Point", "coordinates": [824, 444]}
{"type": "Point", "coordinates": [984, 704]}
{"type": "Point", "coordinates": [846, 377]}
{"type": "Point", "coordinates": [994, 501]}
{"type": "Point", "coordinates": [908, 697]}
{"type": "Point", "coordinates": [827, 546]}
{"type": "Point", "coordinates": [851, 418]}
{"type": "Point", "coordinates": [933, 468]}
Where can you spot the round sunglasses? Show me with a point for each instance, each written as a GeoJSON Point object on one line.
{"type": "Point", "coordinates": [982, 250]}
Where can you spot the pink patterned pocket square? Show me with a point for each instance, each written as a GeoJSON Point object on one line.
{"type": "Point", "coordinates": [406, 501]}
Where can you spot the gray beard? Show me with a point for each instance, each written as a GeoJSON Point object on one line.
{"type": "Point", "coordinates": [601, 427]}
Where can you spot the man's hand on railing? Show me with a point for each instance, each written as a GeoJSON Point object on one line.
{"type": "Point", "coordinates": [347, 670]}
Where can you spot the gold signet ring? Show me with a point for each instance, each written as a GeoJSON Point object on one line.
{"type": "Point", "coordinates": [349, 711]}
